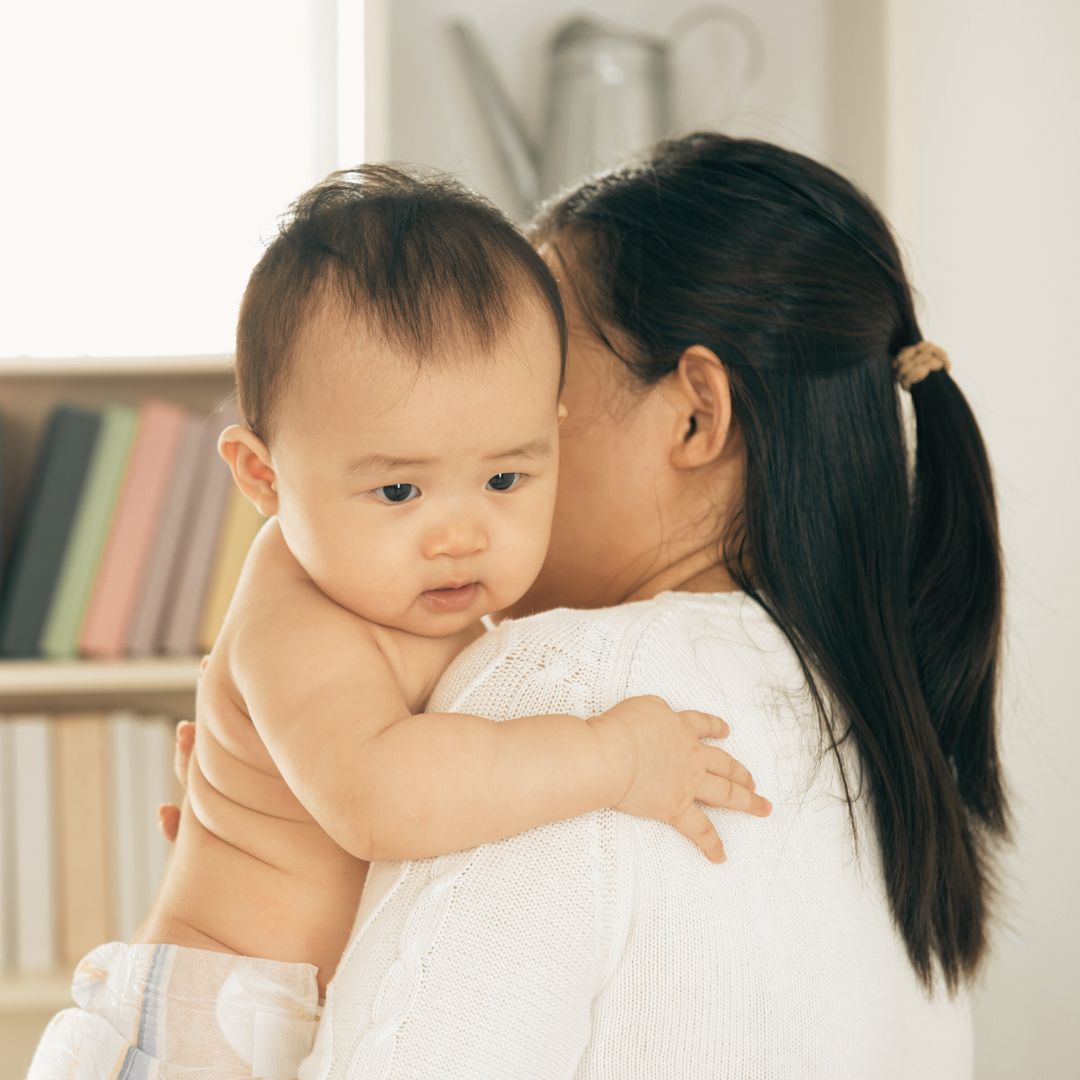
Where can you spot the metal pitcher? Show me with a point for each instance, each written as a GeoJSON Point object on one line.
{"type": "Point", "coordinates": [609, 93]}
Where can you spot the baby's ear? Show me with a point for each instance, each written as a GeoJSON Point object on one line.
{"type": "Point", "coordinates": [249, 459]}
{"type": "Point", "coordinates": [562, 412]}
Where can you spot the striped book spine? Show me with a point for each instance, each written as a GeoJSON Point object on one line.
{"type": "Point", "coordinates": [138, 511]}
{"type": "Point", "coordinates": [106, 472]}
{"type": "Point", "coordinates": [242, 523]}
{"type": "Point", "coordinates": [144, 636]}
{"type": "Point", "coordinates": [50, 507]}
{"type": "Point", "coordinates": [187, 595]}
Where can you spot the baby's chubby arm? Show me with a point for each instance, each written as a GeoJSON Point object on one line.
{"type": "Point", "coordinates": [387, 784]}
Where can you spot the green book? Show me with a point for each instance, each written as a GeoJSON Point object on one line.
{"type": "Point", "coordinates": [89, 532]}
{"type": "Point", "coordinates": [47, 517]}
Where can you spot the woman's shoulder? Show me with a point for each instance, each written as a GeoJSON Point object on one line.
{"type": "Point", "coordinates": [666, 619]}
{"type": "Point", "coordinates": [587, 656]}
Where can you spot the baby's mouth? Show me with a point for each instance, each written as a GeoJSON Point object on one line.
{"type": "Point", "coordinates": [452, 597]}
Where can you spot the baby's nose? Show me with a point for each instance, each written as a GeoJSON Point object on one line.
{"type": "Point", "coordinates": [456, 539]}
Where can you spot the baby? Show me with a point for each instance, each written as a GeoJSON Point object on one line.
{"type": "Point", "coordinates": [400, 358]}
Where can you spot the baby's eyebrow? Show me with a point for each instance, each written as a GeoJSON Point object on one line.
{"type": "Point", "coordinates": [535, 449]}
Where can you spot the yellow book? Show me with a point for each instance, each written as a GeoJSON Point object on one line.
{"type": "Point", "coordinates": [238, 530]}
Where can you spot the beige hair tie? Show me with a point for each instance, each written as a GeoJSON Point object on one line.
{"type": "Point", "coordinates": [914, 363]}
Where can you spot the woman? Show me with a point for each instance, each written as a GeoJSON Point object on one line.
{"type": "Point", "coordinates": [739, 529]}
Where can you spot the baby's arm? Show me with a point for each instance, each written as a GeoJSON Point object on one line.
{"type": "Point", "coordinates": [386, 784]}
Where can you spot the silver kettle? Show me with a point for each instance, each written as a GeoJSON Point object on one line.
{"type": "Point", "coordinates": [608, 93]}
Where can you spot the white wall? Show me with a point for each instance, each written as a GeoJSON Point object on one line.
{"type": "Point", "coordinates": [984, 175]}
{"type": "Point", "coordinates": [433, 118]}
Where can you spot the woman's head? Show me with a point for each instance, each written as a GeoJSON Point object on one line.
{"type": "Point", "coordinates": [739, 307]}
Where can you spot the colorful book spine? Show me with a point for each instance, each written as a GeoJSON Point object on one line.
{"type": "Point", "coordinates": [56, 484]}
{"type": "Point", "coordinates": [187, 593]}
{"type": "Point", "coordinates": [128, 547]}
{"type": "Point", "coordinates": [108, 465]}
{"type": "Point", "coordinates": [80, 758]}
{"type": "Point", "coordinates": [35, 848]}
{"type": "Point", "coordinates": [144, 637]}
{"type": "Point", "coordinates": [242, 523]}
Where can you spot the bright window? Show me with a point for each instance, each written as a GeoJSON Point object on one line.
{"type": "Point", "coordinates": [146, 152]}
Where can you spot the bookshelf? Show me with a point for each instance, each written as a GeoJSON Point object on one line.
{"type": "Point", "coordinates": [29, 389]}
{"type": "Point", "coordinates": [161, 685]}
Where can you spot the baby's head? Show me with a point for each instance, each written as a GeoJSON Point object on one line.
{"type": "Point", "coordinates": [400, 354]}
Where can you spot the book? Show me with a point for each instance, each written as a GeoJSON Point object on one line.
{"type": "Point", "coordinates": [7, 850]}
{"type": "Point", "coordinates": [242, 522]}
{"type": "Point", "coordinates": [143, 637]}
{"type": "Point", "coordinates": [35, 876]}
{"type": "Point", "coordinates": [127, 824]}
{"type": "Point", "coordinates": [3, 523]}
{"type": "Point", "coordinates": [187, 592]}
{"type": "Point", "coordinates": [82, 555]}
{"type": "Point", "coordinates": [156, 742]}
{"type": "Point", "coordinates": [49, 509]}
{"type": "Point", "coordinates": [81, 770]}
{"type": "Point", "coordinates": [131, 534]}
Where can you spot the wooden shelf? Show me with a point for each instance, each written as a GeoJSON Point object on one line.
{"type": "Point", "coordinates": [35, 993]}
{"type": "Point", "coordinates": [153, 685]}
{"type": "Point", "coordinates": [89, 366]}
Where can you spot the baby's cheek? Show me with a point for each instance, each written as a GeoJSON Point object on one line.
{"type": "Point", "coordinates": [524, 559]}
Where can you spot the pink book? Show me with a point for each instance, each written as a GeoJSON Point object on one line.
{"type": "Point", "coordinates": [135, 521]}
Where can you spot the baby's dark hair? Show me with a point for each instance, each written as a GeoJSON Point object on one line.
{"type": "Point", "coordinates": [423, 262]}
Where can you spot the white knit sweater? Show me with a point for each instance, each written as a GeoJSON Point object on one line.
{"type": "Point", "coordinates": [607, 946]}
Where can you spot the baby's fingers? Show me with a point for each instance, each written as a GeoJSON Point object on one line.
{"type": "Point", "coordinates": [168, 815]}
{"type": "Point", "coordinates": [721, 763]}
{"type": "Point", "coordinates": [705, 725]}
{"type": "Point", "coordinates": [720, 791]}
{"type": "Point", "coordinates": [185, 740]}
{"type": "Point", "coordinates": [694, 825]}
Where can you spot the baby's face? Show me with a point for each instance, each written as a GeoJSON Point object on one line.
{"type": "Point", "coordinates": [395, 484]}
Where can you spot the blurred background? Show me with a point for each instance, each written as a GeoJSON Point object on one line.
{"type": "Point", "coordinates": [148, 149]}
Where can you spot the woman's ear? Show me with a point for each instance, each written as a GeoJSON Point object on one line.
{"type": "Point", "coordinates": [702, 400]}
{"type": "Point", "coordinates": [249, 459]}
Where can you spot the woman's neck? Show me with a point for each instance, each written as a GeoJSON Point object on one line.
{"type": "Point", "coordinates": [695, 572]}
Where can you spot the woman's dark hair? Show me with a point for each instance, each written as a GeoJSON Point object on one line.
{"type": "Point", "coordinates": [891, 597]}
{"type": "Point", "coordinates": [421, 260]}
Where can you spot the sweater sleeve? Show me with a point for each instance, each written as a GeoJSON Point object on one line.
{"type": "Point", "coordinates": [486, 962]}
{"type": "Point", "coordinates": [481, 964]}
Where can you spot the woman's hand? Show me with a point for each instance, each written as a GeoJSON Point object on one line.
{"type": "Point", "coordinates": [672, 770]}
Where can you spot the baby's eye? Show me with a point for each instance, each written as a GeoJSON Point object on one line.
{"type": "Point", "coordinates": [505, 481]}
{"type": "Point", "coordinates": [395, 493]}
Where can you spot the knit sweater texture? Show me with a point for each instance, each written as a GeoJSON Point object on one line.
{"type": "Point", "coordinates": [607, 947]}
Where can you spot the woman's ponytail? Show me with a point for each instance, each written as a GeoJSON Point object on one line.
{"type": "Point", "coordinates": [956, 592]}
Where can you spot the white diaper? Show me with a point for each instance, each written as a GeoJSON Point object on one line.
{"type": "Point", "coordinates": [168, 1012]}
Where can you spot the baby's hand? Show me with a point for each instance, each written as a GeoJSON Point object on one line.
{"type": "Point", "coordinates": [671, 769]}
{"type": "Point", "coordinates": [169, 813]}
